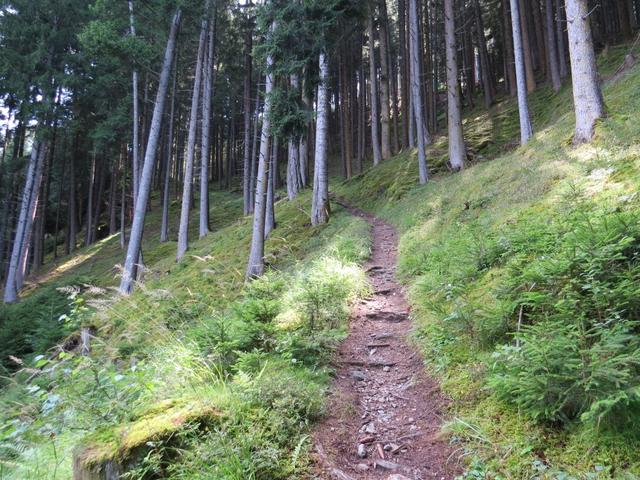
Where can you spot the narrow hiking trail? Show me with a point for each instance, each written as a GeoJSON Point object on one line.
{"type": "Point", "coordinates": [384, 413]}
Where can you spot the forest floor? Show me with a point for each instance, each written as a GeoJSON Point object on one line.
{"type": "Point", "coordinates": [384, 414]}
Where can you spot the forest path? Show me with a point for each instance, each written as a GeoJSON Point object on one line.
{"type": "Point", "coordinates": [384, 413]}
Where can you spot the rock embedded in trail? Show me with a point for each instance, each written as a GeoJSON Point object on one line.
{"type": "Point", "coordinates": [386, 465]}
{"type": "Point", "coordinates": [358, 375]}
{"type": "Point", "coordinates": [362, 451]}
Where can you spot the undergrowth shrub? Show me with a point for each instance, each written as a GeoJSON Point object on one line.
{"type": "Point", "coordinates": [577, 354]}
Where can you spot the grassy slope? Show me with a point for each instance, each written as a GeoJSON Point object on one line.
{"type": "Point", "coordinates": [193, 359]}
{"type": "Point", "coordinates": [449, 226]}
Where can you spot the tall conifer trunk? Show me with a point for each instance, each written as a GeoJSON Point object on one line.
{"type": "Point", "coordinates": [456, 139]}
{"type": "Point", "coordinates": [187, 183]}
{"type": "Point", "coordinates": [320, 208]}
{"type": "Point", "coordinates": [255, 267]}
{"type": "Point", "coordinates": [135, 242]}
{"type": "Point", "coordinates": [587, 95]}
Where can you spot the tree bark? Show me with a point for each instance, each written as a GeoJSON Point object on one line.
{"type": "Point", "coordinates": [205, 149]}
{"type": "Point", "coordinates": [373, 72]}
{"type": "Point", "coordinates": [526, 132]}
{"type": "Point", "coordinates": [456, 138]}
{"type": "Point", "coordinates": [416, 97]}
{"type": "Point", "coordinates": [487, 83]}
{"type": "Point", "coordinates": [587, 95]}
{"type": "Point", "coordinates": [255, 267]}
{"type": "Point", "coordinates": [320, 208]}
{"type": "Point", "coordinates": [136, 113]}
{"type": "Point", "coordinates": [187, 185]}
{"type": "Point", "coordinates": [270, 214]}
{"type": "Point", "coordinates": [135, 242]}
{"type": "Point", "coordinates": [168, 157]}
{"type": "Point", "coordinates": [385, 114]}
{"type": "Point", "coordinates": [25, 222]}
{"type": "Point", "coordinates": [560, 34]}
{"type": "Point", "coordinates": [247, 159]}
{"type": "Point", "coordinates": [554, 68]}
{"type": "Point", "coordinates": [526, 46]}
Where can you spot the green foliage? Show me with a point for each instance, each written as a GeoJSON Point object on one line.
{"type": "Point", "coordinates": [579, 354]}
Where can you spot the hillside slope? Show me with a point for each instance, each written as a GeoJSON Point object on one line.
{"type": "Point", "coordinates": [524, 278]}
{"type": "Point", "coordinates": [199, 376]}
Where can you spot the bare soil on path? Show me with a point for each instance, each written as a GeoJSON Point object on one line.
{"type": "Point", "coordinates": [384, 413]}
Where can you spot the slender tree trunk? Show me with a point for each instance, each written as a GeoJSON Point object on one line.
{"type": "Point", "coordinates": [526, 132]}
{"type": "Point", "coordinates": [25, 222]}
{"type": "Point", "coordinates": [135, 242]}
{"type": "Point", "coordinates": [320, 208]}
{"type": "Point", "coordinates": [98, 206]}
{"type": "Point", "coordinates": [487, 83]}
{"type": "Point", "coordinates": [587, 95]}
{"type": "Point", "coordinates": [293, 157]}
{"type": "Point", "coordinates": [404, 71]}
{"type": "Point", "coordinates": [187, 185]}
{"type": "Point", "coordinates": [554, 69]}
{"type": "Point", "coordinates": [541, 46]}
{"type": "Point", "coordinates": [526, 46]}
{"type": "Point", "coordinates": [385, 131]}
{"type": "Point", "coordinates": [255, 267]}
{"type": "Point", "coordinates": [206, 132]}
{"type": "Point", "coordinates": [375, 135]}
{"type": "Point", "coordinates": [270, 214]}
{"type": "Point", "coordinates": [136, 113]}
{"type": "Point", "coordinates": [416, 98]}
{"type": "Point", "coordinates": [456, 138]}
{"type": "Point", "coordinates": [168, 157]}
{"type": "Point", "coordinates": [72, 218]}
{"type": "Point", "coordinates": [304, 142]}
{"type": "Point", "coordinates": [560, 34]}
{"type": "Point", "coordinates": [508, 40]}
{"type": "Point", "coordinates": [254, 152]}
{"type": "Point", "coordinates": [247, 159]}
{"type": "Point", "coordinates": [89, 211]}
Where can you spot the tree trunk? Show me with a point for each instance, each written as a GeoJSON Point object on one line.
{"type": "Point", "coordinates": [404, 71]}
{"type": "Point", "coordinates": [168, 157]}
{"type": "Point", "coordinates": [487, 83]}
{"type": "Point", "coordinates": [587, 95]}
{"type": "Point", "coordinates": [508, 40]}
{"type": "Point", "coordinates": [270, 214]}
{"type": "Point", "coordinates": [320, 208]}
{"type": "Point", "coordinates": [136, 114]}
{"type": "Point", "coordinates": [375, 135]}
{"type": "Point", "coordinates": [526, 46]}
{"type": "Point", "coordinates": [385, 117]}
{"type": "Point", "coordinates": [416, 97]}
{"type": "Point", "coordinates": [254, 152]}
{"type": "Point", "coordinates": [293, 157]}
{"type": "Point", "coordinates": [255, 267]}
{"type": "Point", "coordinates": [560, 34]}
{"type": "Point", "coordinates": [72, 217]}
{"type": "Point", "coordinates": [554, 68]}
{"type": "Point", "coordinates": [456, 138]}
{"type": "Point", "coordinates": [187, 185]}
{"type": "Point", "coordinates": [89, 212]}
{"type": "Point", "coordinates": [526, 132]}
{"type": "Point", "coordinates": [135, 242]}
{"type": "Point", "coordinates": [206, 132]}
{"type": "Point", "coordinates": [247, 159]}
{"type": "Point", "coordinates": [25, 222]}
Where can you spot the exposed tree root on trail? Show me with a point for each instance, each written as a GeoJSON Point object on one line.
{"type": "Point", "coordinates": [385, 414]}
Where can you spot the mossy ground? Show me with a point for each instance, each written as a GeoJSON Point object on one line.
{"type": "Point", "coordinates": [450, 256]}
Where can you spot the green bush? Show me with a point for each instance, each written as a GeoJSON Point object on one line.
{"type": "Point", "coordinates": [578, 353]}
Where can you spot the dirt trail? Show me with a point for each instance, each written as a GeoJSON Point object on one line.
{"type": "Point", "coordinates": [384, 414]}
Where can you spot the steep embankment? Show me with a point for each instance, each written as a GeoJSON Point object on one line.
{"type": "Point", "coordinates": [523, 277]}
{"type": "Point", "coordinates": [196, 375]}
